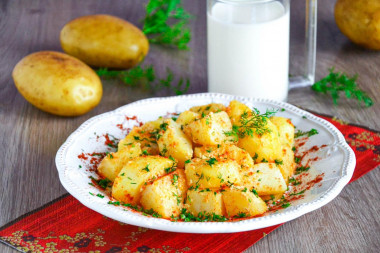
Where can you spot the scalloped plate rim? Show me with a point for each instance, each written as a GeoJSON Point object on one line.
{"type": "Point", "coordinates": [209, 227]}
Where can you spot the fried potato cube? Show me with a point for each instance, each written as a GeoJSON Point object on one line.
{"type": "Point", "coordinates": [205, 202]}
{"type": "Point", "coordinates": [243, 203]}
{"type": "Point", "coordinates": [173, 142]}
{"type": "Point", "coordinates": [146, 139]}
{"type": "Point", "coordinates": [225, 152]}
{"type": "Point", "coordinates": [266, 179]}
{"type": "Point", "coordinates": [288, 165]}
{"type": "Point", "coordinates": [235, 109]}
{"type": "Point", "coordinates": [206, 109]}
{"type": "Point", "coordinates": [285, 129]}
{"type": "Point", "coordinates": [211, 173]}
{"type": "Point", "coordinates": [187, 117]}
{"type": "Point", "coordinates": [112, 163]}
{"type": "Point", "coordinates": [210, 130]}
{"type": "Point", "coordinates": [135, 173]}
{"type": "Point", "coordinates": [265, 147]}
{"type": "Point", "coordinates": [166, 194]}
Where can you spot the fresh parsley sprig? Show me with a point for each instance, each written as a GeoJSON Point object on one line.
{"type": "Point", "coordinates": [251, 123]}
{"type": "Point", "coordinates": [166, 23]}
{"type": "Point", "coordinates": [146, 78]}
{"type": "Point", "coordinates": [336, 83]}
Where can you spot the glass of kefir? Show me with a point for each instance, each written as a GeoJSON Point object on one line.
{"type": "Point", "coordinates": [248, 48]}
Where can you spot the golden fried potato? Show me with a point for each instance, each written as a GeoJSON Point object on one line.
{"type": "Point", "coordinates": [212, 173]}
{"type": "Point", "coordinates": [173, 142]}
{"type": "Point", "coordinates": [266, 179]}
{"type": "Point", "coordinates": [57, 83]}
{"type": "Point", "coordinates": [285, 129]}
{"type": "Point", "coordinates": [288, 165]}
{"type": "Point", "coordinates": [166, 195]}
{"type": "Point", "coordinates": [243, 203]}
{"type": "Point", "coordinates": [104, 41]}
{"type": "Point", "coordinates": [187, 117]}
{"type": "Point", "coordinates": [205, 202]}
{"type": "Point", "coordinates": [135, 174]}
{"type": "Point", "coordinates": [359, 20]}
{"type": "Point", "coordinates": [206, 109]}
{"type": "Point", "coordinates": [146, 140]}
{"type": "Point", "coordinates": [225, 152]}
{"type": "Point", "coordinates": [112, 163]}
{"type": "Point", "coordinates": [210, 130]}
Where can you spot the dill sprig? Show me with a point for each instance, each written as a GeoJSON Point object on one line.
{"type": "Point", "coordinates": [336, 82]}
{"type": "Point", "coordinates": [251, 123]}
{"type": "Point", "coordinates": [146, 78]}
{"type": "Point", "coordinates": [166, 23]}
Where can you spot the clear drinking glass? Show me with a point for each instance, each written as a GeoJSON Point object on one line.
{"type": "Point", "coordinates": [248, 47]}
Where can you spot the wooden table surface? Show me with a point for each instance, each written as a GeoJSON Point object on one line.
{"type": "Point", "coordinates": [30, 138]}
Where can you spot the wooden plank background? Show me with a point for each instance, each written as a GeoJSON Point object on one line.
{"type": "Point", "coordinates": [30, 138]}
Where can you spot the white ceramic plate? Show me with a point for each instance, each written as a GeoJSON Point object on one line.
{"type": "Point", "coordinates": [337, 161]}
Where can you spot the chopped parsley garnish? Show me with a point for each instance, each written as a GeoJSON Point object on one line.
{"type": "Point", "coordinates": [301, 169]}
{"type": "Point", "coordinates": [164, 126]}
{"type": "Point", "coordinates": [136, 137]}
{"type": "Point", "coordinates": [187, 161]}
{"type": "Point", "coordinates": [300, 133]}
{"type": "Point", "coordinates": [285, 205]}
{"type": "Point", "coordinates": [254, 192]}
{"type": "Point", "coordinates": [100, 195]}
{"type": "Point", "coordinates": [175, 179]}
{"type": "Point", "coordinates": [294, 181]}
{"type": "Point", "coordinates": [241, 215]}
{"type": "Point", "coordinates": [170, 169]}
{"type": "Point", "coordinates": [146, 168]}
{"type": "Point", "coordinates": [211, 161]}
{"type": "Point", "coordinates": [145, 152]}
{"type": "Point", "coordinates": [297, 159]}
{"type": "Point", "coordinates": [255, 156]}
{"type": "Point", "coordinates": [297, 193]}
{"type": "Point", "coordinates": [103, 183]}
{"type": "Point", "coordinates": [278, 162]}
{"type": "Point", "coordinates": [264, 160]}
{"type": "Point", "coordinates": [202, 216]}
{"type": "Point", "coordinates": [115, 203]}
{"type": "Point", "coordinates": [172, 158]}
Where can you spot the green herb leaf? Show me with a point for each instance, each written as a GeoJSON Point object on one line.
{"type": "Point", "coordinates": [300, 133]}
{"type": "Point", "coordinates": [166, 23]}
{"type": "Point", "coordinates": [336, 82]}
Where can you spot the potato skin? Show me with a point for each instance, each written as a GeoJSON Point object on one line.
{"type": "Point", "coordinates": [57, 83]}
{"type": "Point", "coordinates": [359, 20]}
{"type": "Point", "coordinates": [104, 41]}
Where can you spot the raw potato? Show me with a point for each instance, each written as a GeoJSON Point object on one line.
{"type": "Point", "coordinates": [201, 174]}
{"type": "Point", "coordinates": [104, 41]}
{"type": "Point", "coordinates": [57, 83]}
{"type": "Point", "coordinates": [266, 179]}
{"type": "Point", "coordinates": [135, 173]}
{"type": "Point", "coordinates": [210, 130]}
{"type": "Point", "coordinates": [166, 195]}
{"type": "Point", "coordinates": [359, 20]}
{"type": "Point", "coordinates": [205, 202]}
{"type": "Point", "coordinates": [246, 204]}
{"type": "Point", "coordinates": [173, 142]}
{"type": "Point", "coordinates": [111, 165]}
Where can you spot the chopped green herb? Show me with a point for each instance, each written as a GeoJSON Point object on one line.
{"type": "Point", "coordinates": [145, 152]}
{"type": "Point", "coordinates": [146, 168]}
{"type": "Point", "coordinates": [100, 195]}
{"type": "Point", "coordinates": [211, 161]}
{"type": "Point", "coordinates": [175, 179]}
{"type": "Point", "coordinates": [297, 193]}
{"type": "Point", "coordinates": [251, 123]}
{"type": "Point", "coordinates": [255, 156]}
{"type": "Point", "coordinates": [285, 205]}
{"type": "Point", "coordinates": [278, 162]}
{"type": "Point", "coordinates": [297, 159]}
{"type": "Point", "coordinates": [283, 109]}
{"type": "Point", "coordinates": [170, 169]}
{"type": "Point", "coordinates": [301, 169]}
{"type": "Point", "coordinates": [115, 203]}
{"type": "Point", "coordinates": [264, 160]}
{"type": "Point", "coordinates": [300, 133]}
{"type": "Point", "coordinates": [187, 161]}
{"type": "Point", "coordinates": [254, 192]}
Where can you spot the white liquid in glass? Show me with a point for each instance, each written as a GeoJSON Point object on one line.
{"type": "Point", "coordinates": [248, 50]}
